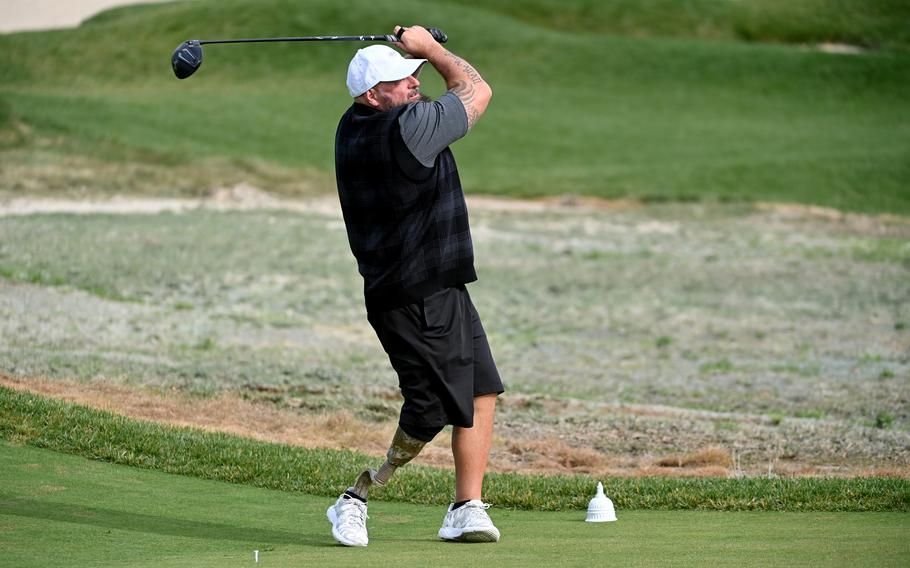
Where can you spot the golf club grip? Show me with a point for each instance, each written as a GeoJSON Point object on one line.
{"type": "Point", "coordinates": [439, 35]}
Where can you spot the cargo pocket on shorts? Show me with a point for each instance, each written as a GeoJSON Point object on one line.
{"type": "Point", "coordinates": [440, 312]}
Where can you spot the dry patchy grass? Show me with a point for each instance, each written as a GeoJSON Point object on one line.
{"type": "Point", "coordinates": [231, 413]}
{"type": "Point", "coordinates": [613, 368]}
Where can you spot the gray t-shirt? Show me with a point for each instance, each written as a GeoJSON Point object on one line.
{"type": "Point", "coordinates": [427, 128]}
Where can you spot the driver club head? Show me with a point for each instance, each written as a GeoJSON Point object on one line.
{"type": "Point", "coordinates": [187, 58]}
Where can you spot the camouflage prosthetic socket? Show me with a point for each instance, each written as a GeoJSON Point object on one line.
{"type": "Point", "coordinates": [404, 448]}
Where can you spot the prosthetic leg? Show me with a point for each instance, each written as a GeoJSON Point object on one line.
{"type": "Point", "coordinates": [404, 448]}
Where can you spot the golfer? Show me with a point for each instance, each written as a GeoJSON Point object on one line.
{"type": "Point", "coordinates": [407, 225]}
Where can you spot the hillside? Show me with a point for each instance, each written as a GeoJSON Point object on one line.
{"type": "Point", "coordinates": [663, 111]}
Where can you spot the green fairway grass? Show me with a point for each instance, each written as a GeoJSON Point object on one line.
{"type": "Point", "coordinates": [679, 118]}
{"type": "Point", "coordinates": [59, 510]}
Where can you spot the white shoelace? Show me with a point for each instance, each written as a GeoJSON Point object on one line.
{"type": "Point", "coordinates": [352, 515]}
{"type": "Point", "coordinates": [476, 514]}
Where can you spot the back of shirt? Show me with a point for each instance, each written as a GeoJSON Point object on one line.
{"type": "Point", "coordinates": [407, 222]}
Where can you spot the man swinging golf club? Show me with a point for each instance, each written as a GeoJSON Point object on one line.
{"type": "Point", "coordinates": [407, 224]}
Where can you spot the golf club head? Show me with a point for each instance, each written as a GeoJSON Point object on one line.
{"type": "Point", "coordinates": [187, 58]}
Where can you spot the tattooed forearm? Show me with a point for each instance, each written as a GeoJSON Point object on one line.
{"type": "Point", "coordinates": [473, 115]}
{"type": "Point", "coordinates": [463, 80]}
{"type": "Point", "coordinates": [465, 88]}
{"type": "Point", "coordinates": [465, 91]}
{"type": "Point", "coordinates": [466, 67]}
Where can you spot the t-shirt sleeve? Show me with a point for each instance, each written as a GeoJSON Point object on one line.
{"type": "Point", "coordinates": [427, 128]}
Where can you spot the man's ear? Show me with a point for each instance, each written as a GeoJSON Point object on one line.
{"type": "Point", "coordinates": [371, 100]}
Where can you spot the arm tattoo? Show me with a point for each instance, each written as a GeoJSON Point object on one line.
{"type": "Point", "coordinates": [464, 90]}
{"type": "Point", "coordinates": [466, 67]}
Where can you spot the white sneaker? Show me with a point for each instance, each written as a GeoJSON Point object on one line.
{"type": "Point", "coordinates": [349, 521]}
{"type": "Point", "coordinates": [469, 523]}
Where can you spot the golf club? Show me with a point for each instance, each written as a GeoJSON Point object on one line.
{"type": "Point", "coordinates": [188, 56]}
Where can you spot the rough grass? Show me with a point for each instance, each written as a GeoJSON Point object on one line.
{"type": "Point", "coordinates": [719, 457]}
{"type": "Point", "coordinates": [634, 333]}
{"type": "Point", "coordinates": [255, 418]}
{"type": "Point", "coordinates": [44, 423]}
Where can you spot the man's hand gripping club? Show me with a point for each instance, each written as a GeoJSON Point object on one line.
{"type": "Point", "coordinates": [460, 76]}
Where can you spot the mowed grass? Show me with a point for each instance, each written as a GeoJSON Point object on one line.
{"type": "Point", "coordinates": [678, 118]}
{"type": "Point", "coordinates": [59, 510]}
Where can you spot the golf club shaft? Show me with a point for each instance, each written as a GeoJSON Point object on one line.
{"type": "Point", "coordinates": [187, 58]}
{"type": "Point", "coordinates": [437, 34]}
{"type": "Point", "coordinates": [308, 38]}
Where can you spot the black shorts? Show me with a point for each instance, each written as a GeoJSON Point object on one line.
{"type": "Point", "coordinates": [439, 350]}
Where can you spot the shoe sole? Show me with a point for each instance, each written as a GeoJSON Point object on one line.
{"type": "Point", "coordinates": [469, 535]}
{"type": "Point", "coordinates": [332, 517]}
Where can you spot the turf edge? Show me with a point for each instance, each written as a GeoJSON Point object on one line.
{"type": "Point", "coordinates": [28, 419]}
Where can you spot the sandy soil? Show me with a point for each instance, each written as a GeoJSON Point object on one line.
{"type": "Point", "coordinates": [243, 196]}
{"type": "Point", "coordinates": [26, 15]}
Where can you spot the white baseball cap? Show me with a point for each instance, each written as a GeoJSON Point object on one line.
{"type": "Point", "coordinates": [376, 64]}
